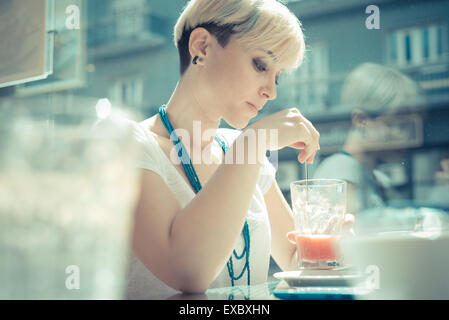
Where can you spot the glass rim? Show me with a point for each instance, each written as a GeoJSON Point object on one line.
{"type": "Point", "coordinates": [313, 183]}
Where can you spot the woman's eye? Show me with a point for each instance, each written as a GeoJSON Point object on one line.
{"type": "Point", "coordinates": [259, 65]}
{"type": "Point", "coordinates": [262, 67]}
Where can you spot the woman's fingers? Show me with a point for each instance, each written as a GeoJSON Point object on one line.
{"type": "Point", "coordinates": [302, 156]}
{"type": "Point", "coordinates": [311, 141]}
{"type": "Point", "coordinates": [313, 130]}
{"type": "Point", "coordinates": [337, 225]}
{"type": "Point", "coordinates": [312, 157]}
{"type": "Point", "coordinates": [307, 154]}
{"type": "Point", "coordinates": [332, 226]}
{"type": "Point", "coordinates": [308, 136]}
{"type": "Point", "coordinates": [291, 236]}
{"type": "Point", "coordinates": [298, 145]}
{"type": "Point", "coordinates": [347, 225]}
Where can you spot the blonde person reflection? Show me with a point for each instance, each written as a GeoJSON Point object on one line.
{"type": "Point", "coordinates": [231, 55]}
{"type": "Point", "coordinates": [374, 91]}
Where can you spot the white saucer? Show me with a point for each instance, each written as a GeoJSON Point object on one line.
{"type": "Point", "coordinates": [320, 278]}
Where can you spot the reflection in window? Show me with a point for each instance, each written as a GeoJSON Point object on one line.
{"type": "Point", "coordinates": [425, 43]}
{"type": "Point", "coordinates": [310, 83]}
{"type": "Point", "coordinates": [408, 49]}
{"type": "Point", "coordinates": [129, 17]}
{"type": "Point", "coordinates": [127, 91]}
{"type": "Point", "coordinates": [440, 40]}
{"type": "Point", "coordinates": [416, 45]}
{"type": "Point", "coordinates": [393, 46]}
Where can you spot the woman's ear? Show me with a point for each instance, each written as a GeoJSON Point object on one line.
{"type": "Point", "coordinates": [359, 118]}
{"type": "Point", "coordinates": [199, 40]}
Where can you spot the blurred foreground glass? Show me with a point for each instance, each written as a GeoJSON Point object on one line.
{"type": "Point", "coordinates": [402, 252]}
{"type": "Point", "coordinates": [319, 206]}
{"type": "Point", "coordinates": [67, 190]}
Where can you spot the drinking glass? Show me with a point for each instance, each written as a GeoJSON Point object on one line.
{"type": "Point", "coordinates": [319, 206]}
{"type": "Point", "coordinates": [67, 192]}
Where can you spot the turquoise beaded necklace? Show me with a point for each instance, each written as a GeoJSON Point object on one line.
{"type": "Point", "coordinates": [186, 163]}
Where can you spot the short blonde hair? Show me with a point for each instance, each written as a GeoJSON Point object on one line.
{"type": "Point", "coordinates": [256, 24]}
{"type": "Point", "coordinates": [376, 88]}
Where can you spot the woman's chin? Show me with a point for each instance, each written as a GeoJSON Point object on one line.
{"type": "Point", "coordinates": [238, 123]}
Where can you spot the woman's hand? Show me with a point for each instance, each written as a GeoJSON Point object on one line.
{"type": "Point", "coordinates": [348, 223]}
{"type": "Point", "coordinates": [293, 130]}
{"type": "Point", "coordinates": [344, 227]}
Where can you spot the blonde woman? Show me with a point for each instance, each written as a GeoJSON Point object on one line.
{"type": "Point", "coordinates": [214, 222]}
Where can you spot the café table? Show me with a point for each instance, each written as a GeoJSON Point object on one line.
{"type": "Point", "coordinates": [347, 284]}
{"type": "Point", "coordinates": [263, 291]}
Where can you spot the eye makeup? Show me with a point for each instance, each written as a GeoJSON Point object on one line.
{"type": "Point", "coordinates": [261, 66]}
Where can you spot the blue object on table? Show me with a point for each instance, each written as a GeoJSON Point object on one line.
{"type": "Point", "coordinates": [318, 293]}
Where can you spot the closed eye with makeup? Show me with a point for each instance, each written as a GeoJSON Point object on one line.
{"type": "Point", "coordinates": [261, 66]}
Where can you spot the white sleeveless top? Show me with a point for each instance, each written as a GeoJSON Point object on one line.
{"type": "Point", "coordinates": [141, 282]}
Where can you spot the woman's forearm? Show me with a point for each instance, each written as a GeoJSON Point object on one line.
{"type": "Point", "coordinates": [204, 233]}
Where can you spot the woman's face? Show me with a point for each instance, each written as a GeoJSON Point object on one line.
{"type": "Point", "coordinates": [237, 82]}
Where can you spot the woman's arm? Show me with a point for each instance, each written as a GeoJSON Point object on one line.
{"type": "Point", "coordinates": [281, 222]}
{"type": "Point", "coordinates": [187, 247]}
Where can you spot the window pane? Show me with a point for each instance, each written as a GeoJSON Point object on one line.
{"type": "Point", "coordinates": [124, 95]}
{"type": "Point", "coordinates": [408, 48]}
{"type": "Point", "coordinates": [393, 44]}
{"type": "Point", "coordinates": [440, 41]}
{"type": "Point", "coordinates": [425, 43]}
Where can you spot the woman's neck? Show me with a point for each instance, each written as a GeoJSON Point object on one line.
{"type": "Point", "coordinates": [191, 119]}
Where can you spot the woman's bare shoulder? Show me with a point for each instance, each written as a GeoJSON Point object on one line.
{"type": "Point", "coordinates": [150, 125]}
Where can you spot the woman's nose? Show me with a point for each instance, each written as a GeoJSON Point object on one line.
{"type": "Point", "coordinates": [269, 91]}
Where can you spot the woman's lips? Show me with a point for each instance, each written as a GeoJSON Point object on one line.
{"type": "Point", "coordinates": [252, 107]}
